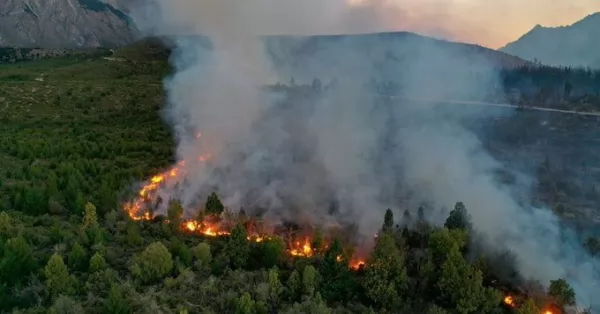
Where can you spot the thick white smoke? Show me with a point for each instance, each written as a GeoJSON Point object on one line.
{"type": "Point", "coordinates": [347, 156]}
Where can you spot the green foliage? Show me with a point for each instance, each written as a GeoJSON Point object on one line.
{"type": "Point", "coordinates": [153, 264]}
{"type": "Point", "coordinates": [202, 255]}
{"type": "Point", "coordinates": [434, 309]}
{"type": "Point", "coordinates": [97, 263]}
{"type": "Point", "coordinates": [314, 305]}
{"type": "Point", "coordinates": [275, 286]}
{"type": "Point", "coordinates": [238, 247]}
{"type": "Point", "coordinates": [562, 292]}
{"type": "Point", "coordinates": [461, 286]}
{"type": "Point", "coordinates": [77, 258]}
{"type": "Point", "coordinates": [175, 213]}
{"type": "Point", "coordinates": [309, 280]}
{"type": "Point", "coordinates": [213, 205]}
{"type": "Point", "coordinates": [184, 255]}
{"type": "Point", "coordinates": [90, 219]}
{"type": "Point", "coordinates": [294, 285]}
{"type": "Point", "coordinates": [459, 218]}
{"type": "Point", "coordinates": [116, 303]}
{"type": "Point", "coordinates": [6, 225]}
{"type": "Point", "coordinates": [66, 305]}
{"type": "Point", "coordinates": [132, 234]}
{"type": "Point", "coordinates": [272, 252]}
{"type": "Point", "coordinates": [58, 280]}
{"type": "Point", "coordinates": [386, 280]}
{"type": "Point", "coordinates": [338, 281]}
{"type": "Point", "coordinates": [528, 307]}
{"type": "Point", "coordinates": [16, 261]}
{"type": "Point", "coordinates": [443, 241]}
{"type": "Point", "coordinates": [388, 221]}
{"type": "Point", "coordinates": [245, 304]}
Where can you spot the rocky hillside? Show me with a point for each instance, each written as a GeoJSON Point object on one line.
{"type": "Point", "coordinates": [63, 24]}
{"type": "Point", "coordinates": [575, 45]}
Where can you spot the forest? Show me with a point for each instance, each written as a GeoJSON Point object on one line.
{"type": "Point", "coordinates": [77, 140]}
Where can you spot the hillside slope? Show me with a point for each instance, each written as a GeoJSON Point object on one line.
{"type": "Point", "coordinates": [403, 58]}
{"type": "Point", "coordinates": [63, 24]}
{"type": "Point", "coordinates": [379, 51]}
{"type": "Point", "coordinates": [576, 45]}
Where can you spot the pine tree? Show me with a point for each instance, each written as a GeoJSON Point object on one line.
{"type": "Point", "coordinates": [58, 279]}
{"type": "Point", "coordinates": [213, 205]}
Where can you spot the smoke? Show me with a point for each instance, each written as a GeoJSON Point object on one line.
{"type": "Point", "coordinates": [343, 156]}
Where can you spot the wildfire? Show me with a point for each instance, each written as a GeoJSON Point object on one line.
{"type": "Point", "coordinates": [357, 264]}
{"type": "Point", "coordinates": [302, 249]}
{"type": "Point", "coordinates": [509, 300]}
{"type": "Point", "coordinates": [147, 192]}
{"type": "Point", "coordinates": [203, 228]}
{"type": "Point", "coordinates": [137, 210]}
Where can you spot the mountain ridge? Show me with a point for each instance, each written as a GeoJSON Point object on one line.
{"type": "Point", "coordinates": [64, 24]}
{"type": "Point", "coordinates": [574, 45]}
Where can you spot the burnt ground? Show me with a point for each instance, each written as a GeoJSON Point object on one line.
{"type": "Point", "coordinates": [561, 153]}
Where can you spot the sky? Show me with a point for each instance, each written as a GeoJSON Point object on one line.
{"type": "Point", "coordinates": [491, 23]}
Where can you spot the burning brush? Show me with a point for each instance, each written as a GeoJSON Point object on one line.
{"type": "Point", "coordinates": [514, 301]}
{"type": "Point", "coordinates": [213, 225]}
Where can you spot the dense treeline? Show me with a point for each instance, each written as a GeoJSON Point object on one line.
{"type": "Point", "coordinates": [115, 265]}
{"type": "Point", "coordinates": [83, 131]}
{"type": "Point", "coordinates": [543, 86]}
{"type": "Point", "coordinates": [12, 55]}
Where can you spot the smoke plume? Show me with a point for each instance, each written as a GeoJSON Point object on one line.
{"type": "Point", "coordinates": [344, 156]}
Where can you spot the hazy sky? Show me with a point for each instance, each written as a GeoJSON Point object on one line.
{"type": "Point", "coordinates": [490, 23]}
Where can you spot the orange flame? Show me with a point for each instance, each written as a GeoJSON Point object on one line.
{"type": "Point", "coordinates": [357, 264]}
{"type": "Point", "coordinates": [302, 249]}
{"type": "Point", "coordinates": [207, 227]}
{"type": "Point", "coordinates": [509, 300]}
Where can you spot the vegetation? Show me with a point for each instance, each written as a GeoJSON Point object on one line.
{"type": "Point", "coordinates": [76, 133]}
{"type": "Point", "coordinates": [12, 55]}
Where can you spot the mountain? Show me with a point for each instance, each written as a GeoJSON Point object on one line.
{"type": "Point", "coordinates": [577, 45]}
{"type": "Point", "coordinates": [64, 24]}
{"type": "Point", "coordinates": [391, 56]}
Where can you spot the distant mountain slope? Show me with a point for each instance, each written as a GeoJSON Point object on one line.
{"type": "Point", "coordinates": [407, 59]}
{"type": "Point", "coordinates": [577, 45]}
{"type": "Point", "coordinates": [388, 45]}
{"type": "Point", "coordinates": [63, 24]}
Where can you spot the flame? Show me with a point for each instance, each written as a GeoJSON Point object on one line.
{"type": "Point", "coordinates": [210, 227]}
{"type": "Point", "coordinates": [256, 239]}
{"type": "Point", "coordinates": [302, 249]}
{"type": "Point", "coordinates": [205, 228]}
{"type": "Point", "coordinates": [357, 264]}
{"type": "Point", "coordinates": [509, 300]}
